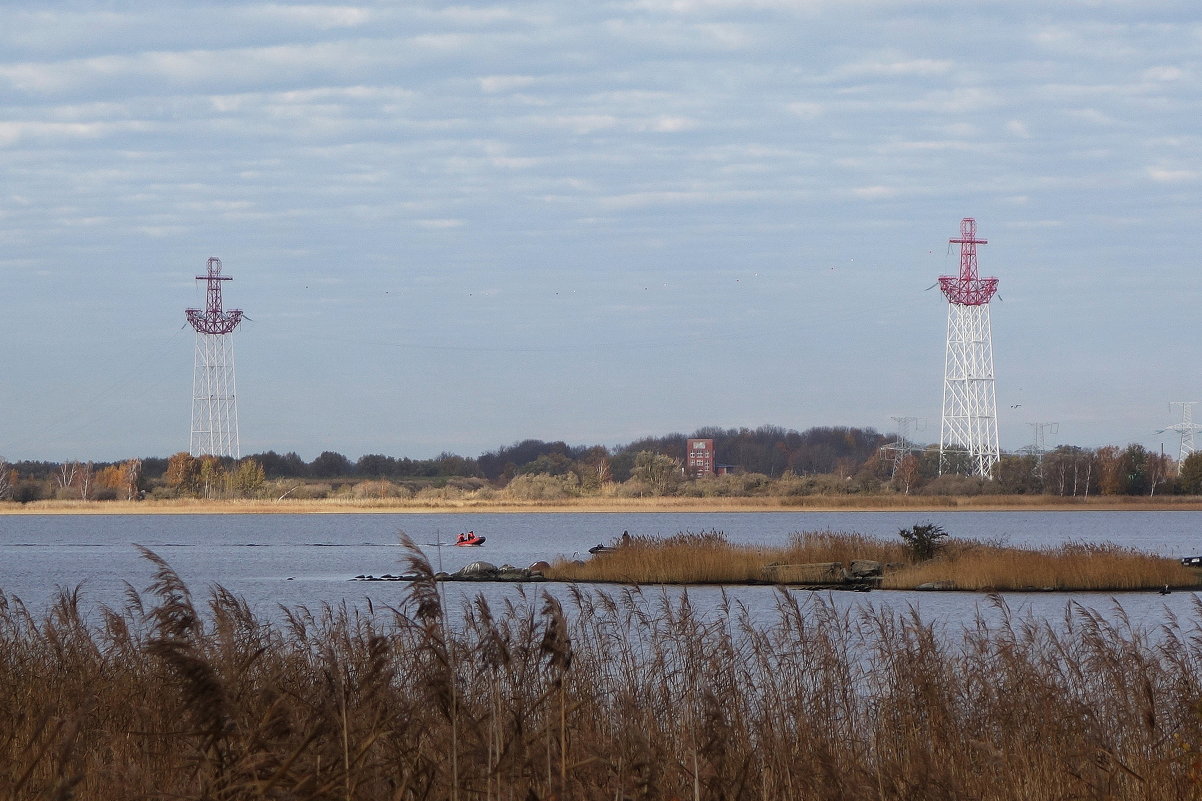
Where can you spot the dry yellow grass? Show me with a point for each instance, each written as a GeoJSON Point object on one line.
{"type": "Point", "coordinates": [708, 558]}
{"type": "Point", "coordinates": [1077, 566]}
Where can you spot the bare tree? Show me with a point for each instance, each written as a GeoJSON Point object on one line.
{"type": "Point", "coordinates": [86, 474]}
{"type": "Point", "coordinates": [131, 474]}
{"type": "Point", "coordinates": [7, 479]}
{"type": "Point", "coordinates": [66, 474]}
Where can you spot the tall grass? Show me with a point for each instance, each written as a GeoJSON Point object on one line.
{"type": "Point", "coordinates": [708, 558]}
{"type": "Point", "coordinates": [1076, 566]}
{"type": "Point", "coordinates": [608, 695]}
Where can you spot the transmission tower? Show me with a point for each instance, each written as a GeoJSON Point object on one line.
{"type": "Point", "coordinates": [214, 402]}
{"type": "Point", "coordinates": [1186, 428]}
{"type": "Point", "coordinates": [969, 401]}
{"type": "Point", "coordinates": [903, 445]}
{"type": "Point", "coordinates": [1039, 442]}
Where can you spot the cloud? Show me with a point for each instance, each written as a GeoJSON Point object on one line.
{"type": "Point", "coordinates": [895, 68]}
{"type": "Point", "coordinates": [1172, 176]}
{"type": "Point", "coordinates": [875, 192]}
{"type": "Point", "coordinates": [1163, 73]}
{"type": "Point", "coordinates": [319, 17]}
{"type": "Point", "coordinates": [1018, 128]}
{"type": "Point", "coordinates": [493, 84]}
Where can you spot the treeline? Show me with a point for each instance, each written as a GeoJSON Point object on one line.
{"type": "Point", "coordinates": [768, 461]}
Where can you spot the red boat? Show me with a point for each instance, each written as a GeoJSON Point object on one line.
{"type": "Point", "coordinates": [469, 540]}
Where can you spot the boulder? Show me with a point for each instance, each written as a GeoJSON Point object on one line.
{"type": "Point", "coordinates": [477, 570]}
{"type": "Point", "coordinates": [540, 566]}
{"type": "Point", "coordinates": [863, 568]}
{"type": "Point", "coordinates": [941, 584]}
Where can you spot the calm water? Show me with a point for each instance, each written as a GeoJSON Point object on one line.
{"type": "Point", "coordinates": [309, 559]}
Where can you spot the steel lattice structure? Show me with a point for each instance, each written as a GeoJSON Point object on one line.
{"type": "Point", "coordinates": [1185, 428]}
{"type": "Point", "coordinates": [214, 400]}
{"type": "Point", "coordinates": [968, 439]}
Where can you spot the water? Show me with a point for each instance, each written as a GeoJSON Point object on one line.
{"type": "Point", "coordinates": [295, 560]}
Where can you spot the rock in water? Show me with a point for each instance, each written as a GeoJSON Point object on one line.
{"type": "Point", "coordinates": [478, 570]}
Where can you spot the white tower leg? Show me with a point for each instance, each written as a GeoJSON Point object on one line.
{"type": "Point", "coordinates": [214, 400]}
{"type": "Point", "coordinates": [969, 427]}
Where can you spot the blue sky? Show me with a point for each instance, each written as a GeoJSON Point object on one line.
{"type": "Point", "coordinates": [457, 226]}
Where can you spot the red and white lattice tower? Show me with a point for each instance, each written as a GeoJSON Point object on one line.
{"type": "Point", "coordinates": [214, 402]}
{"type": "Point", "coordinates": [968, 440]}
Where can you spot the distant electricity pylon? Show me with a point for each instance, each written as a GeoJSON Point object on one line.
{"type": "Point", "coordinates": [214, 401]}
{"type": "Point", "coordinates": [969, 400]}
{"type": "Point", "coordinates": [903, 445]}
{"type": "Point", "coordinates": [1186, 428]}
{"type": "Point", "coordinates": [1039, 442]}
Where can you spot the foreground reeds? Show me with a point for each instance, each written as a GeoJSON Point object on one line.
{"type": "Point", "coordinates": [708, 558]}
{"type": "Point", "coordinates": [620, 695]}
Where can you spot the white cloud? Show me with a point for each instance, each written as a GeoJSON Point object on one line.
{"type": "Point", "coordinates": [667, 124]}
{"type": "Point", "coordinates": [1172, 176]}
{"type": "Point", "coordinates": [805, 110]}
{"type": "Point", "coordinates": [896, 67]}
{"type": "Point", "coordinates": [875, 192]}
{"type": "Point", "coordinates": [32, 132]}
{"type": "Point", "coordinates": [493, 84]}
{"type": "Point", "coordinates": [1163, 73]}
{"type": "Point", "coordinates": [321, 17]}
{"type": "Point", "coordinates": [1018, 128]}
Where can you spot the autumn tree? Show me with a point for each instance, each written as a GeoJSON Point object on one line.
{"type": "Point", "coordinates": [183, 474]}
{"type": "Point", "coordinates": [1189, 481]}
{"type": "Point", "coordinates": [246, 480]}
{"type": "Point", "coordinates": [108, 482]}
{"type": "Point", "coordinates": [660, 473]}
{"type": "Point", "coordinates": [593, 469]}
{"type": "Point", "coordinates": [210, 476]}
{"type": "Point", "coordinates": [1112, 479]}
{"type": "Point", "coordinates": [1018, 474]}
{"type": "Point", "coordinates": [123, 480]}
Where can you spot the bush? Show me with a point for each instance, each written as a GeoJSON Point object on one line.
{"type": "Point", "coordinates": [923, 540]}
{"type": "Point", "coordinates": [379, 489]}
{"type": "Point", "coordinates": [541, 487]}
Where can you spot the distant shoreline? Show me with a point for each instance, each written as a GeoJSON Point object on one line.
{"type": "Point", "coordinates": [918, 504]}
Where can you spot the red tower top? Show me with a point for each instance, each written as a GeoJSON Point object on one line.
{"type": "Point", "coordinates": [967, 289]}
{"type": "Point", "coordinates": [211, 319]}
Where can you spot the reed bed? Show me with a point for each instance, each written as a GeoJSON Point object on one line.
{"type": "Point", "coordinates": [606, 695]}
{"type": "Point", "coordinates": [1074, 566]}
{"type": "Point", "coordinates": [708, 558]}
{"type": "Point", "coordinates": [685, 558]}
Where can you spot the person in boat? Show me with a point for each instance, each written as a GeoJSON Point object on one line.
{"type": "Point", "coordinates": [461, 538]}
{"type": "Point", "coordinates": [471, 536]}
{"type": "Point", "coordinates": [625, 538]}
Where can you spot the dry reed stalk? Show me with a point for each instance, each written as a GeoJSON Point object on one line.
{"type": "Point", "coordinates": [1075, 566]}
{"type": "Point", "coordinates": [622, 694]}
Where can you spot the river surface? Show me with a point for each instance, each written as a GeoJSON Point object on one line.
{"type": "Point", "coordinates": [309, 560]}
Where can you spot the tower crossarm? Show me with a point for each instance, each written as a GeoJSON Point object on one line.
{"type": "Point", "coordinates": [213, 319]}
{"type": "Point", "coordinates": [968, 288]}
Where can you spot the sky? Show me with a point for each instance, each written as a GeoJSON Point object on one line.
{"type": "Point", "coordinates": [455, 227]}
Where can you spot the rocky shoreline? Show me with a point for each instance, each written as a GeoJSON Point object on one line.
{"type": "Point", "coordinates": [476, 571]}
